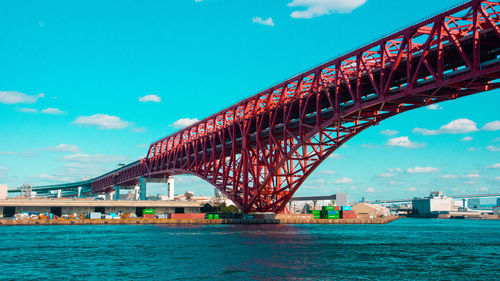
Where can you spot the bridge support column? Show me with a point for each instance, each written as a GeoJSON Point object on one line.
{"type": "Point", "coordinates": [58, 193]}
{"type": "Point", "coordinates": [117, 192]}
{"type": "Point", "coordinates": [79, 191]}
{"type": "Point", "coordinates": [170, 183]}
{"type": "Point", "coordinates": [142, 188]}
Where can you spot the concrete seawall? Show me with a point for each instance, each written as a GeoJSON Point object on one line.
{"type": "Point", "coordinates": [195, 221]}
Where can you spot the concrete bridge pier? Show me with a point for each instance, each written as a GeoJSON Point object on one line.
{"type": "Point", "coordinates": [142, 188]}
{"type": "Point", "coordinates": [58, 193]}
{"type": "Point", "coordinates": [116, 192]}
{"type": "Point", "coordinates": [170, 183]}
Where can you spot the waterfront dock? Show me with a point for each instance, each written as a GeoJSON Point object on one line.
{"type": "Point", "coordinates": [7, 222]}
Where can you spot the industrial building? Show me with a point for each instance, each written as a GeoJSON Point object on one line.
{"type": "Point", "coordinates": [436, 203]}
{"type": "Point", "coordinates": [66, 207]}
{"type": "Point", "coordinates": [305, 204]}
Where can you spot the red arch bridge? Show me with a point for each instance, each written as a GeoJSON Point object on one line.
{"type": "Point", "coordinates": [259, 151]}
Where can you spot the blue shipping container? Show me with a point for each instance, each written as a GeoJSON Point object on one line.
{"type": "Point", "coordinates": [346, 208]}
{"type": "Point", "coordinates": [332, 212]}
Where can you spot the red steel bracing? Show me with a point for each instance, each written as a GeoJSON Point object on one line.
{"type": "Point", "coordinates": [259, 151]}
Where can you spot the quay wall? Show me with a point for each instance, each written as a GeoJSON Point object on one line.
{"type": "Point", "coordinates": [7, 222]}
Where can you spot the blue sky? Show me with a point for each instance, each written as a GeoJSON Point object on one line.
{"type": "Point", "coordinates": [87, 85]}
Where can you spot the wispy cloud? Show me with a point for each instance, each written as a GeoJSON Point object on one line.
{"type": "Point", "coordinates": [404, 142]}
{"type": "Point", "coordinates": [370, 190]}
{"type": "Point", "coordinates": [459, 126]}
{"type": "Point", "coordinates": [139, 130]}
{"type": "Point", "coordinates": [343, 180]}
{"type": "Point", "coordinates": [102, 121]}
{"type": "Point", "coordinates": [150, 98]}
{"type": "Point", "coordinates": [28, 110]}
{"type": "Point", "coordinates": [316, 8]}
{"type": "Point", "coordinates": [64, 148]}
{"type": "Point", "coordinates": [269, 21]}
{"type": "Point", "coordinates": [434, 107]}
{"type": "Point", "coordinates": [492, 126]}
{"type": "Point", "coordinates": [96, 158]}
{"type": "Point", "coordinates": [335, 156]}
{"type": "Point", "coordinates": [466, 139]}
{"type": "Point", "coordinates": [472, 176]}
{"type": "Point", "coordinates": [422, 170]}
{"type": "Point", "coordinates": [388, 132]}
{"type": "Point", "coordinates": [184, 122]}
{"type": "Point", "coordinates": [493, 148]}
{"type": "Point", "coordinates": [52, 110]}
{"type": "Point", "coordinates": [494, 166]}
{"type": "Point", "coordinates": [14, 97]}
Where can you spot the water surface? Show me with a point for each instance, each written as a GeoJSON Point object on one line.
{"type": "Point", "coordinates": [407, 249]}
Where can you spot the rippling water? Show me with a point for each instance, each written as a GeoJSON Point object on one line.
{"type": "Point", "coordinates": [408, 249]}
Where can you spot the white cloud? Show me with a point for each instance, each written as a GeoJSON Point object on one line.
{"type": "Point", "coordinates": [472, 176]}
{"type": "Point", "coordinates": [388, 132]}
{"type": "Point", "coordinates": [369, 145]}
{"type": "Point", "coordinates": [52, 110]}
{"type": "Point", "coordinates": [64, 148]}
{"type": "Point", "coordinates": [395, 170]}
{"type": "Point", "coordinates": [316, 8]}
{"type": "Point", "coordinates": [139, 130]}
{"type": "Point", "coordinates": [422, 170]}
{"type": "Point", "coordinates": [343, 180]}
{"type": "Point", "coordinates": [449, 176]}
{"type": "Point", "coordinates": [493, 148]}
{"type": "Point", "coordinates": [472, 149]}
{"type": "Point", "coordinates": [412, 189]}
{"type": "Point", "coordinates": [492, 126]}
{"type": "Point", "coordinates": [335, 156]}
{"type": "Point", "coordinates": [494, 166]}
{"type": "Point", "coordinates": [328, 172]}
{"type": "Point", "coordinates": [13, 97]}
{"type": "Point", "coordinates": [484, 189]}
{"type": "Point", "coordinates": [370, 189]}
{"type": "Point", "coordinates": [434, 107]}
{"type": "Point", "coordinates": [395, 183]}
{"type": "Point", "coordinates": [404, 142]}
{"type": "Point", "coordinates": [466, 139]}
{"type": "Point", "coordinates": [459, 126]}
{"type": "Point", "coordinates": [497, 178]}
{"type": "Point", "coordinates": [387, 175]}
{"type": "Point", "coordinates": [184, 122]}
{"type": "Point", "coordinates": [103, 121]}
{"type": "Point", "coordinates": [269, 21]}
{"type": "Point", "coordinates": [28, 110]}
{"type": "Point", "coordinates": [96, 158]}
{"type": "Point", "coordinates": [150, 98]}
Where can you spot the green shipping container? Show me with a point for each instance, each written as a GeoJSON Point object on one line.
{"type": "Point", "coordinates": [332, 217]}
{"type": "Point", "coordinates": [148, 211]}
{"type": "Point", "coordinates": [210, 216]}
{"type": "Point", "coordinates": [328, 208]}
{"type": "Point", "coordinates": [216, 216]}
{"type": "Point", "coordinates": [315, 212]}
